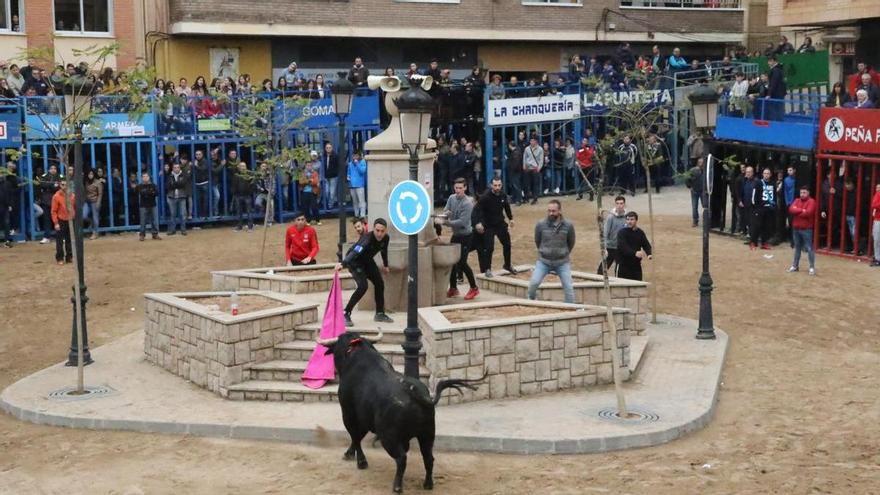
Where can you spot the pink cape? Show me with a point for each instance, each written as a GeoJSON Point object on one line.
{"type": "Point", "coordinates": [320, 369]}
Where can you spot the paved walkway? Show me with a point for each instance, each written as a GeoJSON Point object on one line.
{"type": "Point", "coordinates": [675, 391]}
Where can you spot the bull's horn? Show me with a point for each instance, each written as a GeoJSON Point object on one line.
{"type": "Point", "coordinates": [326, 342]}
{"type": "Point", "coordinates": [377, 338]}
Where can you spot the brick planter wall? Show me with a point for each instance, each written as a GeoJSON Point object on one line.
{"type": "Point", "coordinates": [284, 279]}
{"type": "Point", "coordinates": [523, 355]}
{"type": "Point", "coordinates": [212, 349]}
{"type": "Point", "coordinates": [588, 289]}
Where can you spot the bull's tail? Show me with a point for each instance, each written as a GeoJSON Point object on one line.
{"type": "Point", "coordinates": [455, 384]}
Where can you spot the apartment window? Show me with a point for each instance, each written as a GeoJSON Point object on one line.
{"type": "Point", "coordinates": [11, 15]}
{"type": "Point", "coordinates": [83, 16]}
{"type": "Point", "coordinates": [682, 4]}
{"type": "Point", "coordinates": [561, 3]}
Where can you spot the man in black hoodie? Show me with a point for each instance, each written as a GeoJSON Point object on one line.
{"type": "Point", "coordinates": [632, 248]}
{"type": "Point", "coordinates": [763, 210]}
{"type": "Point", "coordinates": [776, 90]}
{"type": "Point", "coordinates": [489, 214]}
{"type": "Point", "coordinates": [361, 263]}
{"type": "Point", "coordinates": [243, 189]}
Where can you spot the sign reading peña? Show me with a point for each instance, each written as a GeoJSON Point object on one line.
{"type": "Point", "coordinates": [852, 130]}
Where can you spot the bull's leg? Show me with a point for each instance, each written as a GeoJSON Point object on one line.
{"type": "Point", "coordinates": [426, 445]}
{"type": "Point", "coordinates": [354, 450]}
{"type": "Point", "coordinates": [400, 459]}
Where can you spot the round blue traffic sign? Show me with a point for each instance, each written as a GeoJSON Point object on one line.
{"type": "Point", "coordinates": [409, 207]}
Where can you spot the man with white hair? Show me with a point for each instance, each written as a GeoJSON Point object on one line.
{"type": "Point", "coordinates": [862, 100]}
{"type": "Point", "coordinates": [867, 85]}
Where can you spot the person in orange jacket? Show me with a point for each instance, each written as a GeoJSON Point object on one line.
{"type": "Point", "coordinates": [60, 218]}
{"type": "Point", "coordinates": [300, 242]}
{"type": "Point", "coordinates": [310, 190]}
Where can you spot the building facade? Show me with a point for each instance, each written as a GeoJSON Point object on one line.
{"type": "Point", "coordinates": [522, 37]}
{"type": "Point", "coordinates": [66, 26]}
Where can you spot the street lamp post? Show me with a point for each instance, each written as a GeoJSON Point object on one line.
{"type": "Point", "coordinates": [77, 103]}
{"type": "Point", "coordinates": [704, 102]}
{"type": "Point", "coordinates": [343, 96]}
{"type": "Point", "coordinates": [415, 106]}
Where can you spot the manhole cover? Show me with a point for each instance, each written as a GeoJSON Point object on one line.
{"type": "Point", "coordinates": [89, 392]}
{"type": "Point", "coordinates": [635, 416]}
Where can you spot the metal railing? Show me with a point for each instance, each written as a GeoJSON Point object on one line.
{"type": "Point", "coordinates": [682, 4]}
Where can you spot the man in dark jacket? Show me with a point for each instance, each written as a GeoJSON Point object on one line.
{"type": "Point", "coordinates": [358, 74]}
{"type": "Point", "coordinates": [514, 172]}
{"type": "Point", "coordinates": [361, 263]}
{"type": "Point", "coordinates": [746, 187]}
{"type": "Point", "coordinates": [177, 187]}
{"type": "Point", "coordinates": [146, 193]}
{"type": "Point", "coordinates": [763, 210]}
{"type": "Point", "coordinates": [8, 190]}
{"type": "Point", "coordinates": [554, 238]}
{"type": "Point", "coordinates": [632, 248]}
{"type": "Point", "coordinates": [489, 216]}
{"type": "Point", "coordinates": [734, 181]}
{"type": "Point", "coordinates": [243, 189]}
{"type": "Point", "coordinates": [330, 171]}
{"type": "Point", "coordinates": [776, 90]}
{"type": "Point", "coordinates": [48, 185]}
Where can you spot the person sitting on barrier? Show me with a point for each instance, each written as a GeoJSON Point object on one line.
{"type": "Point", "coordinates": [301, 242]}
{"type": "Point", "coordinates": [361, 264]}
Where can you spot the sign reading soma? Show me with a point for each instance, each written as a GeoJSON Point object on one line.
{"type": "Point", "coordinates": [534, 109]}
{"type": "Point", "coordinates": [618, 98]}
{"type": "Point", "coordinates": [319, 113]}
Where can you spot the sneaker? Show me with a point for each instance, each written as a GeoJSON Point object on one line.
{"type": "Point", "coordinates": [580, 197]}
{"type": "Point", "coordinates": [546, 191]}
{"type": "Point", "coordinates": [318, 222]}
{"type": "Point", "coordinates": [875, 263]}
{"type": "Point", "coordinates": [511, 270]}
{"type": "Point", "coordinates": [183, 232]}
{"type": "Point", "coordinates": [348, 322]}
{"type": "Point", "coordinates": [474, 292]}
{"type": "Point", "coordinates": [140, 238]}
{"type": "Point", "coordinates": [753, 246]}
{"type": "Point", "coordinates": [171, 233]}
{"type": "Point", "coordinates": [382, 318]}
{"type": "Point", "coordinates": [488, 274]}
{"type": "Point", "coordinates": [236, 229]}
{"type": "Point", "coordinates": [8, 244]}
{"type": "Point", "coordinates": [792, 269]}
{"type": "Point", "coordinates": [60, 262]}
{"type": "Point", "coordinates": [13, 232]}
{"type": "Point", "coordinates": [812, 271]}
{"type": "Point", "coordinates": [556, 191]}
{"type": "Point", "coordinates": [766, 247]}
{"type": "Point", "coordinates": [156, 237]}
{"type": "Point", "coordinates": [45, 240]}
{"type": "Point", "coordinates": [452, 293]}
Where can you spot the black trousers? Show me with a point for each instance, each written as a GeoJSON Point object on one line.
{"type": "Point", "coordinates": [531, 185]}
{"type": "Point", "coordinates": [462, 266]}
{"type": "Point", "coordinates": [63, 251]}
{"type": "Point", "coordinates": [609, 260]}
{"type": "Point", "coordinates": [363, 273]}
{"type": "Point", "coordinates": [489, 236]}
{"type": "Point", "coordinates": [763, 223]}
{"type": "Point", "coordinates": [630, 269]}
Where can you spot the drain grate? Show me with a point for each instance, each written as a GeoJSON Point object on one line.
{"type": "Point", "coordinates": [635, 416]}
{"type": "Point", "coordinates": [90, 392]}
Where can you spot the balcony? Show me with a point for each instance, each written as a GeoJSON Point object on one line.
{"type": "Point", "coordinates": [683, 4]}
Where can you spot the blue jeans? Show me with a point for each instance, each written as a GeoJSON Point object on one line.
{"type": "Point", "coordinates": [696, 199]}
{"type": "Point", "coordinates": [95, 210]}
{"type": "Point", "coordinates": [176, 213]}
{"type": "Point", "coordinates": [803, 239]}
{"type": "Point", "coordinates": [332, 184]}
{"type": "Point", "coordinates": [149, 215]}
{"type": "Point", "coordinates": [563, 271]}
{"type": "Point", "coordinates": [576, 180]}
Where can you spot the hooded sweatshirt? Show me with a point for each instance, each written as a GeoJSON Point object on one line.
{"type": "Point", "coordinates": [554, 240]}
{"type": "Point", "coordinates": [460, 211]}
{"type": "Point", "coordinates": [613, 224]}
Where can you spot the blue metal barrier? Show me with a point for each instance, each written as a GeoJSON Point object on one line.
{"type": "Point", "coordinates": [789, 123]}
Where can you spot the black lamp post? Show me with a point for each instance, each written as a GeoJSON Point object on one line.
{"type": "Point", "coordinates": [704, 102]}
{"type": "Point", "coordinates": [415, 106]}
{"type": "Point", "coordinates": [77, 92]}
{"type": "Point", "coordinates": [343, 96]}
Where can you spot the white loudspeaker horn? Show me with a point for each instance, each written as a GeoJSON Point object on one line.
{"type": "Point", "coordinates": [389, 84]}
{"type": "Point", "coordinates": [426, 81]}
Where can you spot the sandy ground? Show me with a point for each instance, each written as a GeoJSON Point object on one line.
{"type": "Point", "coordinates": [799, 410]}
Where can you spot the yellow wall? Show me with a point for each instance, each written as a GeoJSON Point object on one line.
{"type": "Point", "coordinates": [12, 46]}
{"type": "Point", "coordinates": [190, 57]}
{"type": "Point", "coordinates": [520, 57]}
{"type": "Point", "coordinates": [64, 47]}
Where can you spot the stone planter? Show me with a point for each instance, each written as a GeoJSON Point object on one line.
{"type": "Point", "coordinates": [541, 347]}
{"type": "Point", "coordinates": [588, 289]}
{"type": "Point", "coordinates": [284, 279]}
{"type": "Point", "coordinates": [214, 349]}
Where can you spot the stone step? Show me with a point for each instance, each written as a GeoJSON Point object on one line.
{"type": "Point", "coordinates": [301, 350]}
{"type": "Point", "coordinates": [638, 344]}
{"type": "Point", "coordinates": [292, 370]}
{"type": "Point", "coordinates": [389, 335]}
{"type": "Point", "coordinates": [276, 390]}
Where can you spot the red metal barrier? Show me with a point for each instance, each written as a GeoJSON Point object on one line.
{"type": "Point", "coordinates": [845, 184]}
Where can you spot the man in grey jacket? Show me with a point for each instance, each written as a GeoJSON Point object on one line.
{"type": "Point", "coordinates": [459, 208]}
{"type": "Point", "coordinates": [616, 220]}
{"type": "Point", "coordinates": [533, 162]}
{"type": "Point", "coordinates": [554, 238]}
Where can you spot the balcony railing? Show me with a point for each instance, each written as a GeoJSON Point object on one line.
{"type": "Point", "coordinates": [682, 4]}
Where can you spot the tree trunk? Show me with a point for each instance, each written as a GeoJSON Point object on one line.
{"type": "Point", "coordinates": [653, 245]}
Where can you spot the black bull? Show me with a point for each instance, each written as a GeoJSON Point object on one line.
{"type": "Point", "coordinates": [376, 398]}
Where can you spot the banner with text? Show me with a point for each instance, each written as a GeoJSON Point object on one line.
{"type": "Point", "coordinates": [622, 98]}
{"type": "Point", "coordinates": [10, 130]}
{"type": "Point", "coordinates": [105, 125]}
{"type": "Point", "coordinates": [852, 130]}
{"type": "Point", "coordinates": [537, 109]}
{"type": "Point", "coordinates": [319, 113]}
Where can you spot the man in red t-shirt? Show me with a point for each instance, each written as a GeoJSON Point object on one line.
{"type": "Point", "coordinates": [300, 242]}
{"type": "Point", "coordinates": [584, 158]}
